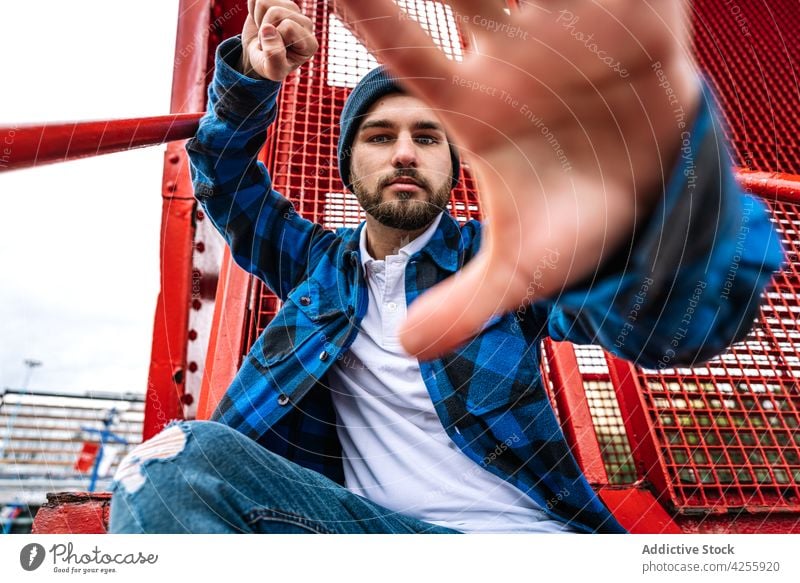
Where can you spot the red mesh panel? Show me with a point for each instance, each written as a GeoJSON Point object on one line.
{"type": "Point", "coordinates": [728, 431]}
{"type": "Point", "coordinates": [750, 50]}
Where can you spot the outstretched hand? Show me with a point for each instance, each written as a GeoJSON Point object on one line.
{"type": "Point", "coordinates": [571, 120]}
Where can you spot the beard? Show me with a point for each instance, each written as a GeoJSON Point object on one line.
{"type": "Point", "coordinates": [405, 213]}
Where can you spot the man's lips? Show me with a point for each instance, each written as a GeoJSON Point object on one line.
{"type": "Point", "coordinates": [404, 184]}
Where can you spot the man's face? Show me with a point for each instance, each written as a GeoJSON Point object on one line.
{"type": "Point", "coordinates": [401, 139]}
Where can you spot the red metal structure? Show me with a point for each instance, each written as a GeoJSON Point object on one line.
{"type": "Point", "coordinates": [711, 449]}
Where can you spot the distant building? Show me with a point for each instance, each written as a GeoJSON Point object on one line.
{"type": "Point", "coordinates": [42, 435]}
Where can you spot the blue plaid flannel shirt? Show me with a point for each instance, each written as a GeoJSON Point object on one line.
{"type": "Point", "coordinates": [689, 287]}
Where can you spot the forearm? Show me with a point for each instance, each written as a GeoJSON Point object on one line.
{"type": "Point", "coordinates": [264, 232]}
{"type": "Point", "coordinates": [233, 129]}
{"type": "Point", "coordinates": [689, 283]}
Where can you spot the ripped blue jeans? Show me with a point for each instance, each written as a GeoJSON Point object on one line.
{"type": "Point", "coordinates": [204, 477]}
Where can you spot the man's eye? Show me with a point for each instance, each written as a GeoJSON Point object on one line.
{"type": "Point", "coordinates": [383, 138]}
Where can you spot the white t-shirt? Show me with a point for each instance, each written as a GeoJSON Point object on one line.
{"type": "Point", "coordinates": [396, 452]}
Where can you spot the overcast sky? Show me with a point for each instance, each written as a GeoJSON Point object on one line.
{"type": "Point", "coordinates": [79, 240]}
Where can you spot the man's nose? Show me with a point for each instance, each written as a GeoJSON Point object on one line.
{"type": "Point", "coordinates": [405, 152]}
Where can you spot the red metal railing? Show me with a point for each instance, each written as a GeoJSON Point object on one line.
{"type": "Point", "coordinates": [35, 145]}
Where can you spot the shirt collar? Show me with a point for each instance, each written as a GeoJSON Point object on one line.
{"type": "Point", "coordinates": [445, 247]}
{"type": "Point", "coordinates": [407, 250]}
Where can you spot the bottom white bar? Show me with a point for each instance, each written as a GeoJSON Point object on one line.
{"type": "Point", "coordinates": [414, 558]}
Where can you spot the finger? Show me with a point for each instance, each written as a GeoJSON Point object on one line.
{"type": "Point", "coordinates": [399, 43]}
{"type": "Point", "coordinates": [297, 40]}
{"type": "Point", "coordinates": [262, 6]}
{"type": "Point", "coordinates": [517, 6]}
{"type": "Point", "coordinates": [271, 55]}
{"type": "Point", "coordinates": [276, 14]}
{"type": "Point", "coordinates": [480, 15]}
{"type": "Point", "coordinates": [464, 302]}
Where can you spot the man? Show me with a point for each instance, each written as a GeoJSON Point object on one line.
{"type": "Point", "coordinates": [349, 416]}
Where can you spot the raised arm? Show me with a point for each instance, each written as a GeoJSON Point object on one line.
{"type": "Point", "coordinates": [266, 235]}
{"type": "Point", "coordinates": [690, 283]}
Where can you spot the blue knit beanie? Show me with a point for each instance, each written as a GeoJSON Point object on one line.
{"type": "Point", "coordinates": [372, 87]}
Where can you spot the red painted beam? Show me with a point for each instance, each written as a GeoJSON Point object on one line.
{"type": "Point", "coordinates": [643, 442]}
{"type": "Point", "coordinates": [167, 397]}
{"type": "Point", "coordinates": [227, 336]}
{"type": "Point", "coordinates": [743, 522]}
{"type": "Point", "coordinates": [771, 185]}
{"type": "Point", "coordinates": [24, 146]}
{"type": "Point", "coordinates": [638, 511]}
{"type": "Point", "coordinates": [574, 412]}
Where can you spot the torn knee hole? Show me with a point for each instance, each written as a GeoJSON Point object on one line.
{"type": "Point", "coordinates": [167, 444]}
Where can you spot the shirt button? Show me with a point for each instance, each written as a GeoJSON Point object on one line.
{"type": "Point", "coordinates": [305, 300]}
{"type": "Point", "coordinates": [283, 399]}
{"type": "Point", "coordinates": [391, 306]}
{"type": "Point", "coordinates": [323, 356]}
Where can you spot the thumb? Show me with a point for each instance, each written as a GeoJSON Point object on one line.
{"type": "Point", "coordinates": [268, 55]}
{"type": "Point", "coordinates": [453, 311]}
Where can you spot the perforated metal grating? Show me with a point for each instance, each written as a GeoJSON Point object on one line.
{"type": "Point", "coordinates": [729, 431]}
{"type": "Point", "coordinates": [750, 51]}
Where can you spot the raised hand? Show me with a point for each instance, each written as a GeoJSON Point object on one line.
{"type": "Point", "coordinates": [570, 113]}
{"type": "Point", "coordinates": [276, 39]}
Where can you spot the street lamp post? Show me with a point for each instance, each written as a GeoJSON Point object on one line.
{"type": "Point", "coordinates": [106, 435]}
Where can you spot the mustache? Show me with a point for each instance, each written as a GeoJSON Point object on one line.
{"type": "Point", "coordinates": [405, 173]}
